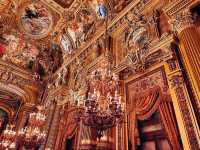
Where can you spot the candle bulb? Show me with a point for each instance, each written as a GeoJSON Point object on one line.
{"type": "Point", "coordinates": [110, 99]}
{"type": "Point", "coordinates": [123, 107]}
{"type": "Point", "coordinates": [120, 99]}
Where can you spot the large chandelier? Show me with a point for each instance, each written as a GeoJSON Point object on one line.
{"type": "Point", "coordinates": [8, 138]}
{"type": "Point", "coordinates": [32, 135]}
{"type": "Point", "coordinates": [103, 106]}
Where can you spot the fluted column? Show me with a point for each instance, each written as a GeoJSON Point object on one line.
{"type": "Point", "coordinates": [189, 39]}
{"type": "Point", "coordinates": [186, 120]}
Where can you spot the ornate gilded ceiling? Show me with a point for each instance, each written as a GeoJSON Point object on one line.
{"type": "Point", "coordinates": [39, 34]}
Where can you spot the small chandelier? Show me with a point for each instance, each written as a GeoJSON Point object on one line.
{"type": "Point", "coordinates": [8, 138]}
{"type": "Point", "coordinates": [32, 135]}
{"type": "Point", "coordinates": [103, 106]}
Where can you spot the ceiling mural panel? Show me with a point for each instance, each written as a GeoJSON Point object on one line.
{"type": "Point", "coordinates": [36, 20]}
{"type": "Point", "coordinates": [35, 36]}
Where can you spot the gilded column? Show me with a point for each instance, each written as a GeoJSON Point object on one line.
{"type": "Point", "coordinates": [188, 127]}
{"type": "Point", "coordinates": [189, 39]}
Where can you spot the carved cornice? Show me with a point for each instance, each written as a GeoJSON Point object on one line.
{"type": "Point", "coordinates": [174, 7]}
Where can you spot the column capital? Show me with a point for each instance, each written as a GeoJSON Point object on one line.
{"type": "Point", "coordinates": [182, 20]}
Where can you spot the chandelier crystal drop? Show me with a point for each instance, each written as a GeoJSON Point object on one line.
{"type": "Point", "coordinates": [103, 106]}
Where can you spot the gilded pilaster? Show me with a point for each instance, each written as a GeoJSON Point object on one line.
{"type": "Point", "coordinates": [52, 135]}
{"type": "Point", "coordinates": [188, 127]}
{"type": "Point", "coordinates": [189, 39]}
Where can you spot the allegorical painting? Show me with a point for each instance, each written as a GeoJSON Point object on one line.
{"type": "Point", "coordinates": [36, 20]}
{"type": "Point", "coordinates": [66, 43]}
{"type": "Point", "coordinates": [14, 48]}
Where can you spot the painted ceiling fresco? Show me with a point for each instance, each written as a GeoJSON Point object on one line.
{"type": "Point", "coordinates": [36, 19]}
{"type": "Point", "coordinates": [38, 36]}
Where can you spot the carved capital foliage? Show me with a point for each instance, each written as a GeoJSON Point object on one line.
{"type": "Point", "coordinates": [182, 20]}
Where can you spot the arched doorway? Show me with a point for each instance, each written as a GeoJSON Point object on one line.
{"type": "Point", "coordinates": [152, 122]}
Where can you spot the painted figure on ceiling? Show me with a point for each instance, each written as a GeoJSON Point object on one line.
{"type": "Point", "coordinates": [30, 52]}
{"type": "Point", "coordinates": [66, 42]}
{"type": "Point", "coordinates": [75, 31]}
{"type": "Point", "coordinates": [36, 19]}
{"type": "Point", "coordinates": [137, 37]}
{"type": "Point", "coordinates": [13, 48]}
{"type": "Point", "coordinates": [102, 11]}
{"type": "Point", "coordinates": [88, 21]}
{"type": "Point", "coordinates": [14, 44]}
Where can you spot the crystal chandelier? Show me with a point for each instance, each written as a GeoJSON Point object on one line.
{"type": "Point", "coordinates": [8, 138]}
{"type": "Point", "coordinates": [32, 135]}
{"type": "Point", "coordinates": [103, 106]}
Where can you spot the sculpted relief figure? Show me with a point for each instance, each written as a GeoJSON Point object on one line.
{"type": "Point", "coordinates": [137, 41]}
{"type": "Point", "coordinates": [66, 42]}
{"type": "Point", "coordinates": [138, 32]}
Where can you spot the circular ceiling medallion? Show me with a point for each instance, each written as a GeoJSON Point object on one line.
{"type": "Point", "coordinates": [35, 20]}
